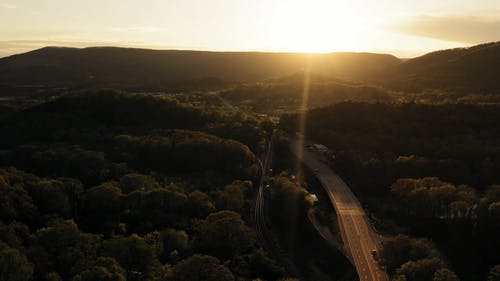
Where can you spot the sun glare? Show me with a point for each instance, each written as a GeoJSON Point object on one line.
{"type": "Point", "coordinates": [316, 26]}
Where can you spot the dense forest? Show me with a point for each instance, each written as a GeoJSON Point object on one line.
{"type": "Point", "coordinates": [423, 170]}
{"type": "Point", "coordinates": [104, 185]}
{"type": "Point", "coordinates": [107, 186]}
{"type": "Point", "coordinates": [462, 70]}
{"type": "Point", "coordinates": [285, 94]}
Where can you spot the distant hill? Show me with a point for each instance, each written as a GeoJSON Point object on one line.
{"type": "Point", "coordinates": [286, 94]}
{"type": "Point", "coordinates": [465, 70]}
{"type": "Point", "coordinates": [154, 69]}
{"type": "Point", "coordinates": [471, 70]}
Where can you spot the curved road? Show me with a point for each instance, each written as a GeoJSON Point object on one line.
{"type": "Point", "coordinates": [264, 233]}
{"type": "Point", "coordinates": [259, 218]}
{"type": "Point", "coordinates": [357, 234]}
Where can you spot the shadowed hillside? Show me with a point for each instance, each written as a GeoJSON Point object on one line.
{"type": "Point", "coordinates": [471, 70]}
{"type": "Point", "coordinates": [463, 71]}
{"type": "Point", "coordinates": [159, 70]}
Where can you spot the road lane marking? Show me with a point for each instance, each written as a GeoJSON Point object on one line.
{"type": "Point", "coordinates": [347, 207]}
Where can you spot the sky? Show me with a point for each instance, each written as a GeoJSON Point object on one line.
{"type": "Point", "coordinates": [405, 28]}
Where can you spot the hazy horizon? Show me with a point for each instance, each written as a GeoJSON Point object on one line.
{"type": "Point", "coordinates": [83, 45]}
{"type": "Point", "coordinates": [401, 28]}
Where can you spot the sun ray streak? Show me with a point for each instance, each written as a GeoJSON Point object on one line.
{"type": "Point", "coordinates": [302, 122]}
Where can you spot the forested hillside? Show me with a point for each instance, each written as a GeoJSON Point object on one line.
{"type": "Point", "coordinates": [424, 170]}
{"type": "Point", "coordinates": [287, 93]}
{"type": "Point", "coordinates": [465, 70]}
{"type": "Point", "coordinates": [113, 186]}
{"type": "Point", "coordinates": [161, 70]}
{"type": "Point", "coordinates": [107, 185]}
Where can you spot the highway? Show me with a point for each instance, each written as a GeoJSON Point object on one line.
{"type": "Point", "coordinates": [356, 232]}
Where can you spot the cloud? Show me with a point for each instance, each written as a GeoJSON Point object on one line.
{"type": "Point", "coordinates": [8, 5]}
{"type": "Point", "coordinates": [139, 29]}
{"type": "Point", "coordinates": [464, 29]}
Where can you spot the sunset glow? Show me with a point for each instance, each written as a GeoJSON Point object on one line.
{"type": "Point", "coordinates": [404, 28]}
{"type": "Point", "coordinates": [316, 26]}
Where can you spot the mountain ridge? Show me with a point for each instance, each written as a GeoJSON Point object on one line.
{"type": "Point", "coordinates": [460, 70]}
{"type": "Point", "coordinates": [159, 69]}
{"type": "Point", "coordinates": [469, 70]}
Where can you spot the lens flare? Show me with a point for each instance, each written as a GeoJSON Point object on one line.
{"type": "Point", "coordinates": [302, 122]}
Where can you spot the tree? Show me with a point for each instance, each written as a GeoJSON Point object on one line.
{"type": "Point", "coordinates": [50, 197]}
{"type": "Point", "coordinates": [399, 278]}
{"type": "Point", "coordinates": [199, 204]}
{"type": "Point", "coordinates": [257, 264]}
{"type": "Point", "coordinates": [14, 234]}
{"type": "Point", "coordinates": [133, 253]}
{"type": "Point", "coordinates": [224, 234]}
{"type": "Point", "coordinates": [14, 266]}
{"type": "Point", "coordinates": [100, 206]}
{"type": "Point", "coordinates": [494, 274]}
{"type": "Point", "coordinates": [105, 269]}
{"type": "Point", "coordinates": [400, 249]}
{"type": "Point", "coordinates": [133, 182]}
{"type": "Point", "coordinates": [444, 274]}
{"type": "Point", "coordinates": [90, 167]}
{"type": "Point", "coordinates": [17, 204]}
{"type": "Point", "coordinates": [102, 199]}
{"type": "Point", "coordinates": [63, 248]}
{"type": "Point", "coordinates": [492, 194]}
{"type": "Point", "coordinates": [201, 267]}
{"type": "Point", "coordinates": [430, 196]}
{"type": "Point", "coordinates": [53, 276]}
{"type": "Point", "coordinates": [494, 210]}
{"type": "Point", "coordinates": [98, 273]}
{"type": "Point", "coordinates": [73, 189]}
{"type": "Point", "coordinates": [420, 270]}
{"type": "Point", "coordinates": [173, 240]}
{"type": "Point", "coordinates": [267, 125]}
{"type": "Point", "coordinates": [154, 240]}
{"type": "Point", "coordinates": [232, 196]}
{"type": "Point", "coordinates": [289, 203]}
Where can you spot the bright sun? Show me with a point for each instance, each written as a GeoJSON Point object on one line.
{"type": "Point", "coordinates": [316, 26]}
